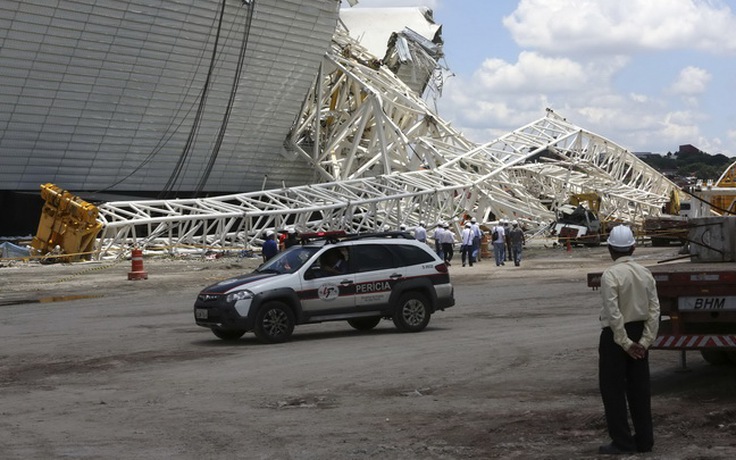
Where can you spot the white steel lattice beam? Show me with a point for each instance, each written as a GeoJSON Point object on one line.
{"type": "Point", "coordinates": [386, 158]}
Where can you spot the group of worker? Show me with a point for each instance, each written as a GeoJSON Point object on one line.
{"type": "Point", "coordinates": [272, 246]}
{"type": "Point", "coordinates": [507, 238]}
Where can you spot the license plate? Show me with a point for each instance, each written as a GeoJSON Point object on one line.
{"type": "Point", "coordinates": [707, 303]}
{"type": "Point", "coordinates": [200, 313]}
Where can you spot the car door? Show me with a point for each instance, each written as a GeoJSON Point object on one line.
{"type": "Point", "coordinates": [374, 274]}
{"type": "Point", "coordinates": [327, 291]}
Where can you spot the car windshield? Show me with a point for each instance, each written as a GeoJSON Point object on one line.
{"type": "Point", "coordinates": [289, 260]}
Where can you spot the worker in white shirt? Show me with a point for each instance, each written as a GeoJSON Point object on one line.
{"type": "Point", "coordinates": [420, 232]}
{"type": "Point", "coordinates": [448, 242]}
{"type": "Point", "coordinates": [477, 238]}
{"type": "Point", "coordinates": [466, 244]}
{"type": "Point", "coordinates": [498, 238]}
{"type": "Point", "coordinates": [630, 321]}
{"type": "Point", "coordinates": [438, 240]}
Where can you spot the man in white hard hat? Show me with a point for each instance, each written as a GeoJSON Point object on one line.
{"type": "Point", "coordinates": [630, 320]}
{"type": "Point", "coordinates": [466, 244]}
{"type": "Point", "coordinates": [291, 238]}
{"type": "Point", "coordinates": [448, 243]}
{"type": "Point", "coordinates": [508, 250]}
{"type": "Point", "coordinates": [438, 239]}
{"type": "Point", "coordinates": [420, 232]}
{"type": "Point", "coordinates": [270, 246]}
{"type": "Point", "coordinates": [498, 238]}
{"type": "Point", "coordinates": [477, 237]}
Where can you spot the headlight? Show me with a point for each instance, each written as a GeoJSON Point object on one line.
{"type": "Point", "coordinates": [239, 295]}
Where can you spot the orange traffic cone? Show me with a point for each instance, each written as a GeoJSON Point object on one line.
{"type": "Point", "coordinates": [137, 272]}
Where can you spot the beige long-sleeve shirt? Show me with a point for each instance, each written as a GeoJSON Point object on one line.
{"type": "Point", "coordinates": [629, 293]}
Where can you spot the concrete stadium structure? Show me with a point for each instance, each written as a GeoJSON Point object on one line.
{"type": "Point", "coordinates": [153, 98]}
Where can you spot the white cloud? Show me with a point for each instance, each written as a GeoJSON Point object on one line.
{"type": "Point", "coordinates": [501, 94]}
{"type": "Point", "coordinates": [691, 81]}
{"type": "Point", "coordinates": [623, 26]}
{"type": "Point", "coordinates": [531, 72]}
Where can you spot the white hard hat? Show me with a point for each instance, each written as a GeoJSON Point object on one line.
{"type": "Point", "coordinates": [473, 220]}
{"type": "Point", "coordinates": [445, 225]}
{"type": "Point", "coordinates": [421, 223]}
{"type": "Point", "coordinates": [468, 224]}
{"type": "Point", "coordinates": [516, 222]}
{"type": "Point", "coordinates": [621, 237]}
{"type": "Point", "coordinates": [269, 234]}
{"type": "Point", "coordinates": [290, 230]}
{"type": "Point", "coordinates": [386, 228]}
{"type": "Point", "coordinates": [402, 227]}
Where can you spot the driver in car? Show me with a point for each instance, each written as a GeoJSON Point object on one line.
{"type": "Point", "coordinates": [333, 262]}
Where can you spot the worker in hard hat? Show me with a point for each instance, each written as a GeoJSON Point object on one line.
{"type": "Point", "coordinates": [629, 320]}
{"type": "Point", "coordinates": [508, 250]}
{"type": "Point", "coordinates": [477, 237]}
{"type": "Point", "coordinates": [438, 239]}
{"type": "Point", "coordinates": [448, 243]}
{"type": "Point", "coordinates": [291, 238]}
{"type": "Point", "coordinates": [466, 244]}
{"type": "Point", "coordinates": [498, 238]}
{"type": "Point", "coordinates": [420, 232]}
{"type": "Point", "coordinates": [270, 246]}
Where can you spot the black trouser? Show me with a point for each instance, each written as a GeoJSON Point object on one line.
{"type": "Point", "coordinates": [466, 251]}
{"type": "Point", "coordinates": [624, 379]}
{"type": "Point", "coordinates": [448, 250]}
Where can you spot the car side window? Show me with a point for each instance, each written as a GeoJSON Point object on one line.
{"type": "Point", "coordinates": [332, 262]}
{"type": "Point", "coordinates": [369, 257]}
{"type": "Point", "coordinates": [412, 255]}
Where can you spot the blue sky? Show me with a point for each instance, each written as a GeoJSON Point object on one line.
{"type": "Point", "coordinates": [649, 75]}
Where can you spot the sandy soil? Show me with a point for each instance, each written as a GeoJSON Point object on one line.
{"type": "Point", "coordinates": [95, 366]}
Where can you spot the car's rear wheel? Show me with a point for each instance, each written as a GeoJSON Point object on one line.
{"type": "Point", "coordinates": [274, 322]}
{"type": "Point", "coordinates": [364, 324]}
{"type": "Point", "coordinates": [228, 335]}
{"type": "Point", "coordinates": [412, 312]}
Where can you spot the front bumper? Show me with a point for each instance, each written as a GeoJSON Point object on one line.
{"type": "Point", "coordinates": [225, 317]}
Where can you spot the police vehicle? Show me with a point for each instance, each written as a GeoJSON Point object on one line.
{"type": "Point", "coordinates": [331, 276]}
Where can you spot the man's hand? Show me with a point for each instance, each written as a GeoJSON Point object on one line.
{"type": "Point", "coordinates": [637, 351]}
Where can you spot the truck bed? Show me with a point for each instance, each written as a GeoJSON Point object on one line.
{"type": "Point", "coordinates": [698, 305]}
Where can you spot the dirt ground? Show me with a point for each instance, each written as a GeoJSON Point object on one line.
{"type": "Point", "coordinates": [95, 366]}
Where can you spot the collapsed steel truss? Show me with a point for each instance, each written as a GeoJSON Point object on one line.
{"type": "Point", "coordinates": [385, 158]}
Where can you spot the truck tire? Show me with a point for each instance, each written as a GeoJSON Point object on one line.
{"type": "Point", "coordinates": [715, 357]}
{"type": "Point", "coordinates": [274, 322]}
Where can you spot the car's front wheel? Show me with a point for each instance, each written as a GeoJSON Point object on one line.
{"type": "Point", "coordinates": [412, 312]}
{"type": "Point", "coordinates": [228, 335]}
{"type": "Point", "coordinates": [364, 324]}
{"type": "Point", "coordinates": [274, 322]}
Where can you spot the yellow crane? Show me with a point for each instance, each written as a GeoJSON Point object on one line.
{"type": "Point", "coordinates": [68, 226]}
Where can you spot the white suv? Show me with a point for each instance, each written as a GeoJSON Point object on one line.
{"type": "Point", "coordinates": [358, 278]}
